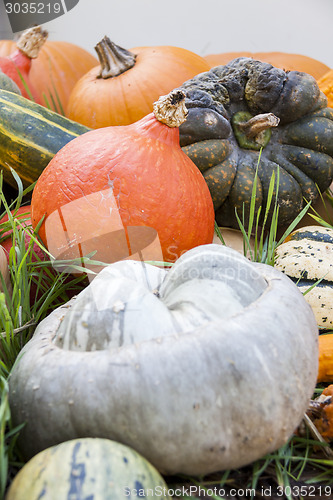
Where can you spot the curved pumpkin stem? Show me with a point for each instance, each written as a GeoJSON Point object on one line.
{"type": "Point", "coordinates": [170, 109]}
{"type": "Point", "coordinates": [114, 59]}
{"type": "Point", "coordinates": [253, 132]}
{"type": "Point", "coordinates": [31, 41]}
{"type": "Point", "coordinates": [258, 124]}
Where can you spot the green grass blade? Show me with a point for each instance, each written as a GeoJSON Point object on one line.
{"type": "Point", "coordinates": [25, 85]}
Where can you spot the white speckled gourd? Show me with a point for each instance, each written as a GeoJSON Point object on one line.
{"type": "Point", "coordinates": [307, 258]}
{"type": "Point", "coordinates": [205, 367]}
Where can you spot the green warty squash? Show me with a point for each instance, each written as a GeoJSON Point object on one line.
{"type": "Point", "coordinates": [247, 117]}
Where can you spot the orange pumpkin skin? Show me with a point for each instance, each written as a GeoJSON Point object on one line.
{"type": "Point", "coordinates": [325, 370]}
{"type": "Point", "coordinates": [128, 97]}
{"type": "Point", "coordinates": [120, 189]}
{"type": "Point", "coordinates": [283, 60]}
{"type": "Point", "coordinates": [7, 47]}
{"type": "Point", "coordinates": [59, 66]}
{"type": "Point", "coordinates": [17, 61]}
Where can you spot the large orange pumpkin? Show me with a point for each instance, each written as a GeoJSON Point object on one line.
{"type": "Point", "coordinates": [56, 70]}
{"type": "Point", "coordinates": [122, 89]}
{"type": "Point", "coordinates": [125, 191]}
{"type": "Point", "coordinates": [283, 60]}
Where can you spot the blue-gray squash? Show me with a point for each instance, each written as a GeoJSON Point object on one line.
{"type": "Point", "coordinates": [204, 367]}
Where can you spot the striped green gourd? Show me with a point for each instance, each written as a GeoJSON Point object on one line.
{"type": "Point", "coordinates": [87, 468]}
{"type": "Point", "coordinates": [306, 257]}
{"type": "Point", "coordinates": [30, 135]}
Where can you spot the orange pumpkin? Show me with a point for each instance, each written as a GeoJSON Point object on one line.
{"type": "Point", "coordinates": [325, 371]}
{"type": "Point", "coordinates": [122, 89]}
{"type": "Point", "coordinates": [325, 83]}
{"type": "Point", "coordinates": [56, 70]}
{"type": "Point", "coordinates": [125, 191]}
{"type": "Point", "coordinates": [18, 64]}
{"type": "Point", "coordinates": [283, 60]}
{"type": "Point", "coordinates": [322, 414]}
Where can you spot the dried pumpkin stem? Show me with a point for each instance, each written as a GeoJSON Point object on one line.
{"type": "Point", "coordinates": [31, 41]}
{"type": "Point", "coordinates": [114, 59]}
{"type": "Point", "coordinates": [259, 123]}
{"type": "Point", "coordinates": [170, 109]}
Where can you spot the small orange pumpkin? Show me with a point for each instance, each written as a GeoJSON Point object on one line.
{"type": "Point", "coordinates": [56, 70]}
{"type": "Point", "coordinates": [325, 83]}
{"type": "Point", "coordinates": [125, 191]}
{"type": "Point", "coordinates": [122, 89]}
{"type": "Point", "coordinates": [283, 60]}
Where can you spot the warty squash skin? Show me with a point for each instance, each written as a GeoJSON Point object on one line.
{"type": "Point", "coordinates": [292, 136]}
{"type": "Point", "coordinates": [201, 368]}
{"type": "Point", "coordinates": [87, 468]}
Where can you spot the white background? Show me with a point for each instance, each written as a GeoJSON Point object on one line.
{"type": "Point", "coordinates": [203, 26]}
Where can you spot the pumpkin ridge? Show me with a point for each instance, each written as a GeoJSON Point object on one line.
{"type": "Point", "coordinates": [55, 68]}
{"type": "Point", "coordinates": [308, 187]}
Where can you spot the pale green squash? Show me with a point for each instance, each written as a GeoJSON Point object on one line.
{"type": "Point", "coordinates": [88, 468]}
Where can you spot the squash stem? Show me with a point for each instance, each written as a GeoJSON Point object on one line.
{"type": "Point", "coordinates": [114, 60]}
{"type": "Point", "coordinates": [259, 123]}
{"type": "Point", "coordinates": [170, 109]}
{"type": "Point", "coordinates": [31, 41]}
